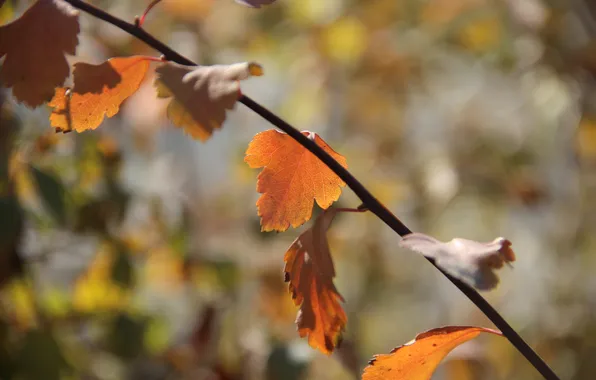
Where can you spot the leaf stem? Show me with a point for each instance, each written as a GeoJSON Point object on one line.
{"type": "Point", "coordinates": [368, 200]}
{"type": "Point", "coordinates": [141, 20]}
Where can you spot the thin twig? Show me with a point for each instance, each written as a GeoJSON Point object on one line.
{"type": "Point", "coordinates": [346, 209]}
{"type": "Point", "coordinates": [368, 200]}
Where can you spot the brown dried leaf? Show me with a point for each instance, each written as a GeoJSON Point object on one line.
{"type": "Point", "coordinates": [470, 261]}
{"type": "Point", "coordinates": [201, 95]}
{"type": "Point", "coordinates": [34, 46]}
{"type": "Point", "coordinates": [310, 272]}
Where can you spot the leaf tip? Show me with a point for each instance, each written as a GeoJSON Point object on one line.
{"type": "Point", "coordinates": [255, 69]}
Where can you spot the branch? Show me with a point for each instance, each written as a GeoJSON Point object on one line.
{"type": "Point", "coordinates": [368, 200]}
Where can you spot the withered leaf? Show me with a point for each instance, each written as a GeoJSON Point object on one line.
{"type": "Point", "coordinates": [34, 46]}
{"type": "Point", "coordinates": [470, 261]}
{"type": "Point", "coordinates": [309, 270]}
{"type": "Point", "coordinates": [201, 95]}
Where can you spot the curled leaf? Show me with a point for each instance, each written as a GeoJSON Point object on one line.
{"type": "Point", "coordinates": [201, 95]}
{"type": "Point", "coordinates": [418, 359]}
{"type": "Point", "coordinates": [34, 46]}
{"type": "Point", "coordinates": [310, 272]}
{"type": "Point", "coordinates": [98, 91]}
{"type": "Point", "coordinates": [291, 179]}
{"type": "Point", "coordinates": [470, 261]}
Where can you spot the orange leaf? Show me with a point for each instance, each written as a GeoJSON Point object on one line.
{"type": "Point", "coordinates": [292, 177]}
{"type": "Point", "coordinates": [201, 95]}
{"type": "Point", "coordinates": [418, 359]}
{"type": "Point", "coordinates": [309, 271]}
{"type": "Point", "coordinates": [98, 91]}
{"type": "Point", "coordinates": [34, 46]}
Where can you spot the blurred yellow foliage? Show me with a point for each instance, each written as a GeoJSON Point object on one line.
{"type": "Point", "coordinates": [164, 268]}
{"type": "Point", "coordinates": [309, 12]}
{"type": "Point", "coordinates": [156, 336]}
{"type": "Point", "coordinates": [345, 39]}
{"type": "Point", "coordinates": [95, 291]}
{"type": "Point", "coordinates": [440, 12]}
{"type": "Point", "coordinates": [6, 12]}
{"type": "Point", "coordinates": [19, 171]}
{"type": "Point", "coordinates": [482, 34]}
{"type": "Point", "coordinates": [188, 10]}
{"type": "Point", "coordinates": [19, 296]}
{"type": "Point", "coordinates": [586, 139]}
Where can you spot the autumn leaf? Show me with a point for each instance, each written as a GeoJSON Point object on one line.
{"type": "Point", "coordinates": [291, 179]}
{"type": "Point", "coordinates": [34, 46]}
{"type": "Point", "coordinates": [310, 272]}
{"type": "Point", "coordinates": [255, 3]}
{"type": "Point", "coordinates": [201, 95]}
{"type": "Point", "coordinates": [470, 261]}
{"type": "Point", "coordinates": [418, 359]}
{"type": "Point", "coordinates": [98, 91]}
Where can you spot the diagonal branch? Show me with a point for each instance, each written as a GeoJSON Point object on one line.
{"type": "Point", "coordinates": [368, 200]}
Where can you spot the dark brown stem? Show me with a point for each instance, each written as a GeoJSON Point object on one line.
{"type": "Point", "coordinates": [368, 200]}
{"type": "Point", "coordinates": [141, 20]}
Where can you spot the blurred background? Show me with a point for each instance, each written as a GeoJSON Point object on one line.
{"type": "Point", "coordinates": [134, 252]}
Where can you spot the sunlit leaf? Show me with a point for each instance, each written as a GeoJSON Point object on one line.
{"type": "Point", "coordinates": [201, 95]}
{"type": "Point", "coordinates": [418, 359]}
{"type": "Point", "coordinates": [98, 92]}
{"type": "Point", "coordinates": [470, 261]}
{"type": "Point", "coordinates": [309, 270]}
{"type": "Point", "coordinates": [34, 46]}
{"type": "Point", "coordinates": [291, 179]}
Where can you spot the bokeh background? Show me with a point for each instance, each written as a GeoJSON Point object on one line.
{"type": "Point", "coordinates": [134, 252]}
